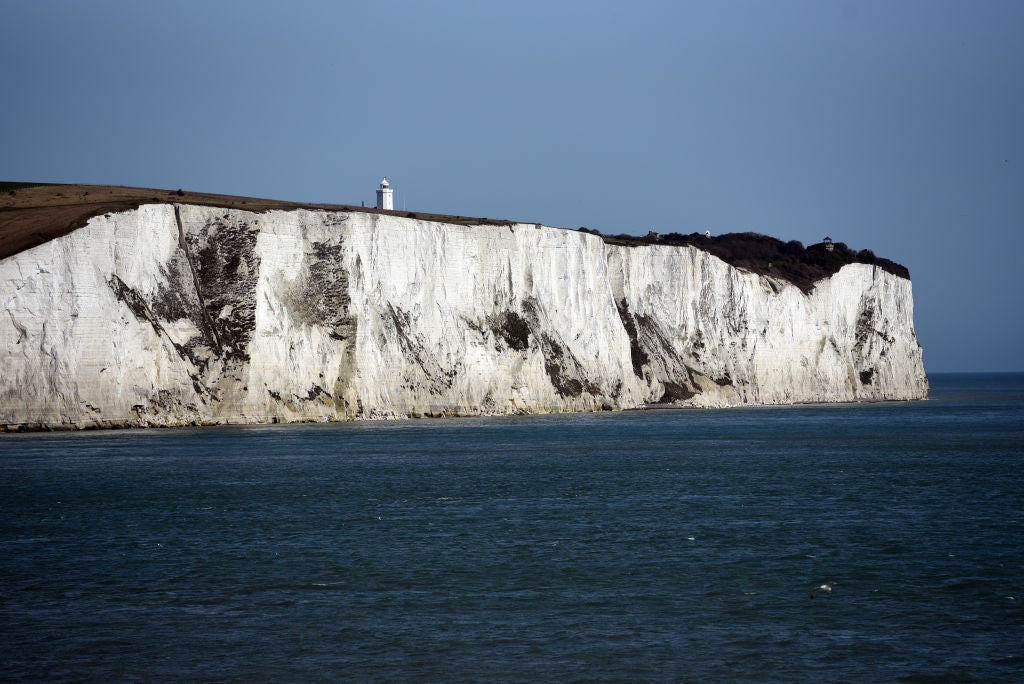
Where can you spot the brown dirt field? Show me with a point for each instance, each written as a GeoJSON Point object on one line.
{"type": "Point", "coordinates": [33, 214]}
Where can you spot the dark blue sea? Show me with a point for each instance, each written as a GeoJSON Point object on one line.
{"type": "Point", "coordinates": [648, 546]}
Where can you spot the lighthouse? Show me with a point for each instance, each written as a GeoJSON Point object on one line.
{"type": "Point", "coordinates": [384, 200]}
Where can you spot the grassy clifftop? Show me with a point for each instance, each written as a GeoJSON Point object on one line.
{"type": "Point", "coordinates": [33, 213]}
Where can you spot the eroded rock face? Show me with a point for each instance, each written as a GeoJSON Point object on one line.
{"type": "Point", "coordinates": [718, 336]}
{"type": "Point", "coordinates": [177, 314]}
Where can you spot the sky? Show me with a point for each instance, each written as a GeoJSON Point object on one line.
{"type": "Point", "coordinates": [895, 125]}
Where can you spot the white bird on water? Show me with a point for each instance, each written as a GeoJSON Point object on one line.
{"type": "Point", "coordinates": [827, 586]}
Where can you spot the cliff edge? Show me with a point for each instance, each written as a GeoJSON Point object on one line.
{"type": "Point", "coordinates": [172, 313]}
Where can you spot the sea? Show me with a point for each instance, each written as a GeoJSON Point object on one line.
{"type": "Point", "coordinates": [639, 546]}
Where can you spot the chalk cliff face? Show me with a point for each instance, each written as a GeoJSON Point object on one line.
{"type": "Point", "coordinates": [175, 314]}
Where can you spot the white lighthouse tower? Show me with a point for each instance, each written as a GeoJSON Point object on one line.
{"type": "Point", "coordinates": [384, 200]}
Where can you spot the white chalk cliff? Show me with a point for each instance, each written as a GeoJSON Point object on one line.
{"type": "Point", "coordinates": [177, 314]}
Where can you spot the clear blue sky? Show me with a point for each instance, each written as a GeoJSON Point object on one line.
{"type": "Point", "coordinates": [896, 126]}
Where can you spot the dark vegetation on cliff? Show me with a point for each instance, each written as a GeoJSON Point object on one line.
{"type": "Point", "coordinates": [33, 213]}
{"type": "Point", "coordinates": [802, 266]}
